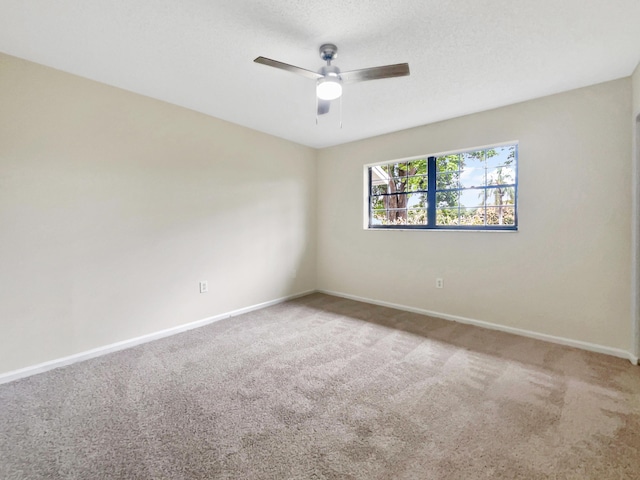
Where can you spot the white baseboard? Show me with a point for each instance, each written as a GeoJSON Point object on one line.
{"type": "Point", "coordinates": [592, 347]}
{"type": "Point", "coordinates": [114, 347]}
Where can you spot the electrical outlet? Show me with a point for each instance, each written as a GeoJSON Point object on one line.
{"type": "Point", "coordinates": [439, 283]}
{"type": "Point", "coordinates": [204, 286]}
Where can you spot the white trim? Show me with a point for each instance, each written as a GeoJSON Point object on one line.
{"type": "Point", "coordinates": [114, 347]}
{"type": "Point", "coordinates": [449, 230]}
{"type": "Point", "coordinates": [592, 347]}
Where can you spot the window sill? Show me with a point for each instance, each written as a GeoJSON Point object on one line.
{"type": "Point", "coordinates": [476, 230]}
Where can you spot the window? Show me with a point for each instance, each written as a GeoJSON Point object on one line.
{"type": "Point", "coordinates": [475, 189]}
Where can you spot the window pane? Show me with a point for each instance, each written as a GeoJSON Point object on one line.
{"type": "Point", "coordinates": [396, 201]}
{"type": "Point", "coordinates": [501, 156]}
{"type": "Point", "coordinates": [378, 217]}
{"type": "Point", "coordinates": [447, 216]}
{"type": "Point", "coordinates": [398, 184]}
{"type": "Point", "coordinates": [448, 172]}
{"type": "Point", "coordinates": [379, 189]}
{"type": "Point", "coordinates": [417, 183]}
{"type": "Point", "coordinates": [379, 174]}
{"type": "Point", "coordinates": [472, 197]}
{"type": "Point", "coordinates": [379, 179]}
{"type": "Point", "coordinates": [447, 180]}
{"type": "Point", "coordinates": [397, 216]}
{"type": "Point", "coordinates": [417, 216]}
{"type": "Point", "coordinates": [417, 167]}
{"type": "Point", "coordinates": [473, 177]}
{"type": "Point", "coordinates": [448, 163]}
{"type": "Point", "coordinates": [377, 203]}
{"type": "Point", "coordinates": [505, 174]}
{"type": "Point", "coordinates": [472, 216]}
{"type": "Point", "coordinates": [475, 159]}
{"type": "Point", "coordinates": [500, 196]}
{"type": "Point", "coordinates": [398, 169]}
{"type": "Point", "coordinates": [417, 200]}
{"type": "Point", "coordinates": [448, 199]}
{"type": "Point", "coordinates": [473, 168]}
{"type": "Point", "coordinates": [509, 215]}
{"type": "Point", "coordinates": [501, 215]}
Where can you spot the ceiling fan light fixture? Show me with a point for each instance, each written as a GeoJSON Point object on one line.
{"type": "Point", "coordinates": [329, 88]}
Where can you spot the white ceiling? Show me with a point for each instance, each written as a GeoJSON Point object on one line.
{"type": "Point", "coordinates": [465, 55]}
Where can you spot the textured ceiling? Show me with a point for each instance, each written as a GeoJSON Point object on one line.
{"type": "Point", "coordinates": [465, 55]}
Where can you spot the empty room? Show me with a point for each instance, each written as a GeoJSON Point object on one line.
{"type": "Point", "coordinates": [319, 240]}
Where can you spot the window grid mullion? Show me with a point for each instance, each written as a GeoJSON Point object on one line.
{"type": "Point", "coordinates": [431, 192]}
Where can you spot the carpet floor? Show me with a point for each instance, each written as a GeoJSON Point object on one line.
{"type": "Point", "coordinates": [327, 388]}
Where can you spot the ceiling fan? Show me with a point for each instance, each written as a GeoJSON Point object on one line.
{"type": "Point", "coordinates": [329, 79]}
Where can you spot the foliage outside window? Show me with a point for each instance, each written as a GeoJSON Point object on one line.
{"type": "Point", "coordinates": [474, 189]}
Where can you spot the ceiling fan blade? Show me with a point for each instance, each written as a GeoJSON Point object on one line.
{"type": "Point", "coordinates": [323, 106]}
{"type": "Point", "coordinates": [375, 73]}
{"type": "Point", "coordinates": [289, 68]}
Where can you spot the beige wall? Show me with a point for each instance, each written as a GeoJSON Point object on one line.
{"type": "Point", "coordinates": [564, 273]}
{"type": "Point", "coordinates": [636, 91]}
{"type": "Point", "coordinates": [114, 206]}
